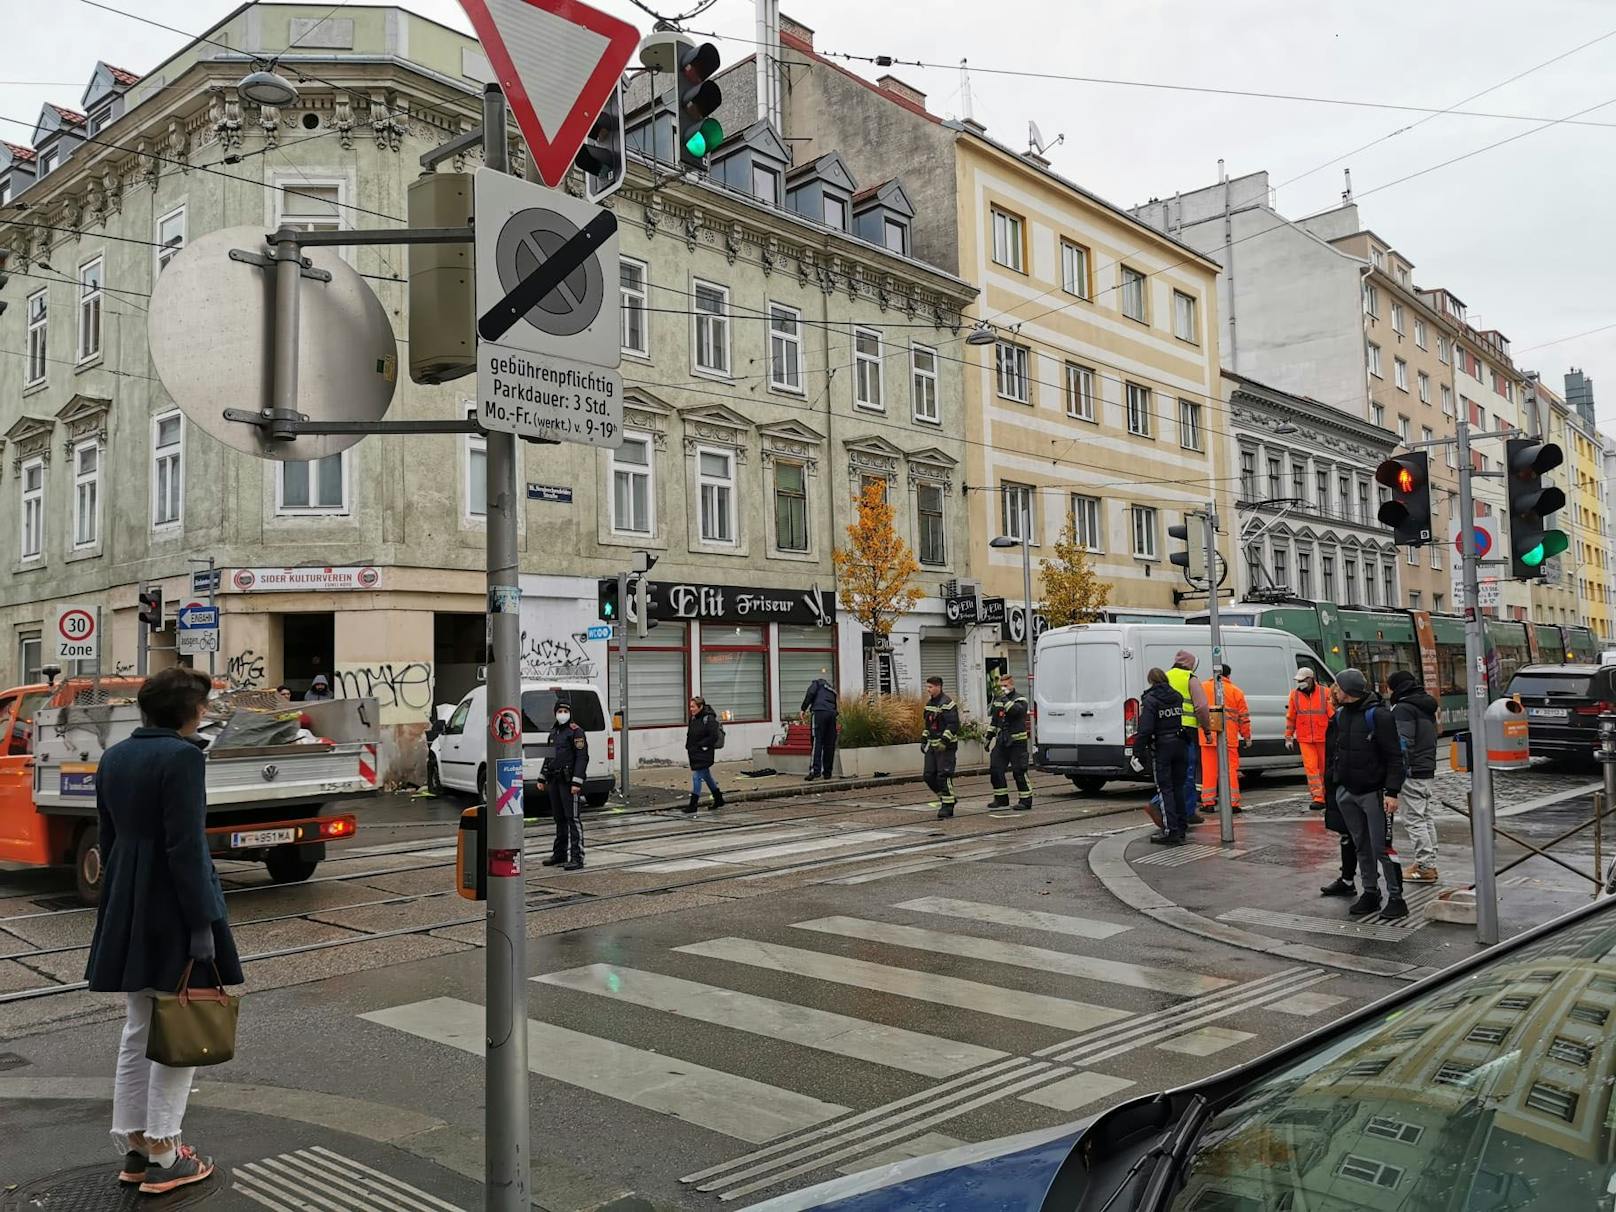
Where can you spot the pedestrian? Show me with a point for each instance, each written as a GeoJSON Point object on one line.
{"type": "Point", "coordinates": [1345, 884]}
{"type": "Point", "coordinates": [704, 737]}
{"type": "Point", "coordinates": [1415, 712]}
{"type": "Point", "coordinates": [939, 742]}
{"type": "Point", "coordinates": [821, 708]}
{"type": "Point", "coordinates": [283, 693]}
{"type": "Point", "coordinates": [1307, 716]}
{"type": "Point", "coordinates": [1196, 719]}
{"type": "Point", "coordinates": [1159, 743]}
{"type": "Point", "coordinates": [1007, 737]}
{"type": "Point", "coordinates": [319, 690]}
{"type": "Point", "coordinates": [161, 921]}
{"type": "Point", "coordinates": [562, 779]}
{"type": "Point", "coordinates": [1365, 761]}
{"type": "Point", "coordinates": [1232, 728]}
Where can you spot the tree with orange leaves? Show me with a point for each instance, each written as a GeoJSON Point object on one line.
{"type": "Point", "coordinates": [874, 569]}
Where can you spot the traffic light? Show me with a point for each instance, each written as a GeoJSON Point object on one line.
{"type": "Point", "coordinates": [151, 606]}
{"type": "Point", "coordinates": [601, 158]}
{"type": "Point", "coordinates": [696, 97]}
{"type": "Point", "coordinates": [1408, 512]}
{"type": "Point", "coordinates": [1193, 558]}
{"type": "Point", "coordinates": [1530, 502]}
{"type": "Point", "coordinates": [608, 608]}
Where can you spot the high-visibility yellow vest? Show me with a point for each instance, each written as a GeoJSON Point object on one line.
{"type": "Point", "coordinates": [1181, 680]}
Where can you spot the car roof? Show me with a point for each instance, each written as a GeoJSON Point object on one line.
{"type": "Point", "coordinates": [1582, 670]}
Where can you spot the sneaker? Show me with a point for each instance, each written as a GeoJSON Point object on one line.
{"type": "Point", "coordinates": [576, 864]}
{"type": "Point", "coordinates": [553, 861]}
{"type": "Point", "coordinates": [1396, 907]}
{"type": "Point", "coordinates": [134, 1169]}
{"type": "Point", "coordinates": [1420, 873]}
{"type": "Point", "coordinates": [186, 1168]}
{"type": "Point", "coordinates": [1338, 888]}
{"type": "Point", "coordinates": [1366, 904]}
{"type": "Point", "coordinates": [1166, 839]}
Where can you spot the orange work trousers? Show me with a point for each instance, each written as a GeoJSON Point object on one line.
{"type": "Point", "coordinates": [1209, 773]}
{"type": "Point", "coordinates": [1313, 763]}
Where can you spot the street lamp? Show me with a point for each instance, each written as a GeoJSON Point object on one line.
{"type": "Point", "coordinates": [1002, 542]}
{"type": "Point", "coordinates": [267, 88]}
{"type": "Point", "coordinates": [982, 335]}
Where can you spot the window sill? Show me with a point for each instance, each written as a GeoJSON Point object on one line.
{"type": "Point", "coordinates": [339, 514]}
{"type": "Point", "coordinates": [34, 388]}
{"type": "Point", "coordinates": [1072, 294]}
{"type": "Point", "coordinates": [1149, 437]}
{"type": "Point", "coordinates": [800, 393]}
{"type": "Point", "coordinates": [84, 553]}
{"type": "Point", "coordinates": [1014, 400]}
{"type": "Point", "coordinates": [800, 557]}
{"type": "Point", "coordinates": [1190, 341]}
{"type": "Point", "coordinates": [1192, 449]}
{"type": "Point", "coordinates": [1147, 559]}
{"type": "Point", "coordinates": [630, 538]}
{"type": "Point", "coordinates": [720, 376]}
{"type": "Point", "coordinates": [1072, 416]}
{"type": "Point", "coordinates": [920, 420]}
{"type": "Point", "coordinates": [31, 564]}
{"type": "Point", "coordinates": [169, 530]}
{"type": "Point", "coordinates": [89, 363]}
{"type": "Point", "coordinates": [1012, 268]}
{"type": "Point", "coordinates": [875, 408]}
{"type": "Point", "coordinates": [639, 355]}
{"type": "Point", "coordinates": [1140, 320]}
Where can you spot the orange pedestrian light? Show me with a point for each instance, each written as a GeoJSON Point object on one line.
{"type": "Point", "coordinates": [1408, 511]}
{"type": "Point", "coordinates": [1405, 480]}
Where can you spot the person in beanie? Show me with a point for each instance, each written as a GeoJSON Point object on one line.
{"type": "Point", "coordinates": [1365, 762]}
{"type": "Point", "coordinates": [1159, 742]}
{"type": "Point", "coordinates": [1415, 712]}
{"type": "Point", "coordinates": [1346, 883]}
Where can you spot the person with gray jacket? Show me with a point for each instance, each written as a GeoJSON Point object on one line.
{"type": "Point", "coordinates": [1415, 712]}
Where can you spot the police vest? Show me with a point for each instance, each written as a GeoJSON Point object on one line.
{"type": "Point", "coordinates": [1181, 680]}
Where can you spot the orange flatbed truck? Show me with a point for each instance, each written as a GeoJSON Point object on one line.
{"type": "Point", "coordinates": [266, 802]}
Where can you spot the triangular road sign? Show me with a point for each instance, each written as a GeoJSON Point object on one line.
{"type": "Point", "coordinates": [558, 62]}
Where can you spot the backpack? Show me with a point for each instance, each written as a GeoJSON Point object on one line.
{"type": "Point", "coordinates": [720, 739]}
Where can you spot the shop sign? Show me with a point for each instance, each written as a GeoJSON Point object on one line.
{"type": "Point", "coordinates": [683, 601]}
{"type": "Point", "coordinates": [304, 580]}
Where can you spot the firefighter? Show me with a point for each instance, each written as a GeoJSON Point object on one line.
{"type": "Point", "coordinates": [1007, 742]}
{"type": "Point", "coordinates": [938, 743]}
{"type": "Point", "coordinates": [1307, 718]}
{"type": "Point", "coordinates": [562, 778]}
{"type": "Point", "coordinates": [1232, 726]}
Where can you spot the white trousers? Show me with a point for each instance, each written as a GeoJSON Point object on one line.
{"type": "Point", "coordinates": [146, 1097]}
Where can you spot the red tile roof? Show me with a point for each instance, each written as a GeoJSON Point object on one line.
{"type": "Point", "coordinates": [123, 77]}
{"type": "Point", "coordinates": [71, 116]}
{"type": "Point", "coordinates": [19, 152]}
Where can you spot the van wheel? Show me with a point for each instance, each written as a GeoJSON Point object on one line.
{"type": "Point", "coordinates": [1088, 784]}
{"type": "Point", "coordinates": [434, 781]}
{"type": "Point", "coordinates": [287, 866]}
{"type": "Point", "coordinates": [482, 785]}
{"type": "Point", "coordinates": [597, 799]}
{"type": "Point", "coordinates": [87, 867]}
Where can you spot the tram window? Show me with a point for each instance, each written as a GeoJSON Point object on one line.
{"type": "Point", "coordinates": [1450, 668]}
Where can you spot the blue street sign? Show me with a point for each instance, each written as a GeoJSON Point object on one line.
{"type": "Point", "coordinates": [600, 631]}
{"type": "Point", "coordinates": [560, 494]}
{"type": "Point", "coordinates": [205, 580]}
{"type": "Point", "coordinates": [198, 618]}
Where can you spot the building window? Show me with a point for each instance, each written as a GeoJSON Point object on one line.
{"type": "Point", "coordinates": [715, 470]}
{"type": "Point", "coordinates": [1403, 430]}
{"type": "Point", "coordinates": [1414, 599]}
{"type": "Point", "coordinates": [99, 119]}
{"type": "Point", "coordinates": [168, 470]}
{"type": "Point", "coordinates": [311, 205]}
{"type": "Point", "coordinates": [1371, 299]}
{"type": "Point", "coordinates": [38, 334]}
{"type": "Point", "coordinates": [735, 671]}
{"type": "Point", "coordinates": [47, 163]}
{"type": "Point", "coordinates": [1447, 400]}
{"type": "Point", "coordinates": [1397, 318]}
{"type": "Point", "coordinates": [1374, 361]}
{"type": "Point", "coordinates": [785, 347]}
{"type": "Point", "coordinates": [1016, 503]}
{"type": "Point", "coordinates": [867, 359]}
{"type": "Point", "coordinates": [1298, 482]}
{"type": "Point", "coordinates": [765, 184]}
{"type": "Point", "coordinates": [633, 502]}
{"type": "Point", "coordinates": [1551, 1100]}
{"type": "Point", "coordinates": [835, 212]}
{"type": "Point", "coordinates": [1075, 269]}
{"type": "Point", "coordinates": [1424, 381]}
{"type": "Point", "coordinates": [1426, 435]}
{"type": "Point", "coordinates": [923, 382]}
{"type": "Point", "coordinates": [1185, 325]}
{"type": "Point", "coordinates": [1079, 392]}
{"type": "Point", "coordinates": [631, 287]}
{"type": "Point", "coordinates": [712, 329]}
{"type": "Point", "coordinates": [1436, 556]}
{"type": "Point", "coordinates": [1351, 569]}
{"type": "Point", "coordinates": [929, 509]}
{"type": "Point", "coordinates": [476, 469]}
{"type": "Point", "coordinates": [1273, 476]}
{"type": "Point", "coordinates": [1282, 565]}
{"type": "Point", "coordinates": [806, 653]}
{"type": "Point", "coordinates": [1368, 1170]}
{"type": "Point", "coordinates": [1144, 533]}
{"type": "Point", "coordinates": [1437, 602]}
{"type": "Point", "coordinates": [1133, 295]}
{"type": "Point", "coordinates": [316, 486]}
{"type": "Point", "coordinates": [1304, 574]}
{"type": "Point", "coordinates": [1086, 530]}
{"type": "Point", "coordinates": [33, 509]}
{"type": "Point", "coordinates": [1400, 373]}
{"type": "Point", "coordinates": [1369, 584]}
{"type": "Point", "coordinates": [1388, 582]}
{"type": "Point", "coordinates": [170, 237]}
{"type": "Point", "coordinates": [1009, 241]}
{"type": "Point", "coordinates": [895, 237]}
{"type": "Point", "coordinates": [1327, 572]}
{"type": "Point", "coordinates": [1322, 483]}
{"type": "Point", "coordinates": [1014, 379]}
{"type": "Point", "coordinates": [660, 688]}
{"type": "Point", "coordinates": [1248, 475]}
{"type": "Point", "coordinates": [1442, 345]}
{"type": "Point", "coordinates": [1189, 425]}
{"type": "Point", "coordinates": [1420, 336]}
{"type": "Point", "coordinates": [790, 506]}
{"type": "Point", "coordinates": [1363, 500]}
{"type": "Point", "coordinates": [29, 658]}
{"type": "Point", "coordinates": [1138, 409]}
{"type": "Point", "coordinates": [86, 494]}
{"type": "Point", "coordinates": [1377, 413]}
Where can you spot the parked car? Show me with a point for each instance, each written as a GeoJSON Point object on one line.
{"type": "Point", "coordinates": [1486, 1086]}
{"type": "Point", "coordinates": [457, 759]}
{"type": "Point", "coordinates": [1563, 705]}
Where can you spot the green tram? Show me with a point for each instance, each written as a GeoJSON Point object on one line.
{"type": "Point", "coordinates": [1379, 640]}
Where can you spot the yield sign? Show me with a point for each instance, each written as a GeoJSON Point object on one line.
{"type": "Point", "coordinates": [558, 62]}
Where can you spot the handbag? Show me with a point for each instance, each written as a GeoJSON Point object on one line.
{"type": "Point", "coordinates": [192, 1028]}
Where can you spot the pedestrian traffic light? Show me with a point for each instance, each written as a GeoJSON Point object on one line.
{"type": "Point", "coordinates": [609, 609]}
{"type": "Point", "coordinates": [601, 158]}
{"type": "Point", "coordinates": [1408, 511]}
{"type": "Point", "coordinates": [1530, 502]}
{"type": "Point", "coordinates": [151, 606]}
{"type": "Point", "coordinates": [1193, 558]}
{"type": "Point", "coordinates": [696, 97]}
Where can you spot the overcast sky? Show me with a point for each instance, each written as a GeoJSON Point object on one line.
{"type": "Point", "coordinates": [1521, 233]}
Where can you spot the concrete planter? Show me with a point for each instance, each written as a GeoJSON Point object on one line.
{"type": "Point", "coordinates": [898, 759]}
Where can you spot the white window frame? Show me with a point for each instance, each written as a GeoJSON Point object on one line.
{"type": "Point", "coordinates": [1400, 374]}
{"type": "Point", "coordinates": [1443, 345]}
{"type": "Point", "coordinates": [1405, 431]}
{"type": "Point", "coordinates": [1009, 232]}
{"type": "Point", "coordinates": [1010, 520]}
{"type": "Point", "coordinates": [1075, 269]}
{"type": "Point", "coordinates": [1422, 336]}
{"type": "Point", "coordinates": [1377, 413]}
{"type": "Point", "coordinates": [1371, 299]}
{"type": "Point", "coordinates": [31, 512]}
{"type": "Point", "coordinates": [1186, 317]}
{"type": "Point", "coordinates": [1144, 527]}
{"type": "Point", "coordinates": [1088, 521]}
{"type": "Point", "coordinates": [163, 254]}
{"type": "Point", "coordinates": [785, 349]}
{"type": "Point", "coordinates": [774, 508]}
{"type": "Point", "coordinates": [49, 162]}
{"type": "Point", "coordinates": [1423, 382]}
{"type": "Point", "coordinates": [725, 492]}
{"type": "Point", "coordinates": [635, 302]}
{"type": "Point", "coordinates": [90, 311]}
{"type": "Point", "coordinates": [86, 485]}
{"type": "Point", "coordinates": [174, 457]}
{"type": "Point", "coordinates": [340, 509]}
{"type": "Point", "coordinates": [633, 471]}
{"type": "Point", "coordinates": [923, 384]}
{"type": "Point", "coordinates": [895, 228]}
{"type": "Point", "coordinates": [772, 176]}
{"type": "Point", "coordinates": [475, 446]}
{"type": "Point", "coordinates": [1191, 431]}
{"type": "Point", "coordinates": [1447, 400]}
{"type": "Point", "coordinates": [37, 369]}
{"type": "Point", "coordinates": [1376, 366]}
{"type": "Point", "coordinates": [1398, 321]}
{"type": "Point", "coordinates": [1018, 376]}
{"type": "Point", "coordinates": [1080, 393]}
{"type": "Point", "coordinates": [709, 331]}
{"type": "Point", "coordinates": [1138, 410]}
{"type": "Point", "coordinates": [1133, 281]}
{"type": "Point", "coordinates": [287, 213]}
{"type": "Point", "coordinates": [868, 390]}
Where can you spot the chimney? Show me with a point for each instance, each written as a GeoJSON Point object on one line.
{"type": "Point", "coordinates": [791, 27]}
{"type": "Point", "coordinates": [891, 84]}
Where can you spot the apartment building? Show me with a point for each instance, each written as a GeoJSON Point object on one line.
{"type": "Point", "coordinates": [1582, 474]}
{"type": "Point", "coordinates": [1555, 598]}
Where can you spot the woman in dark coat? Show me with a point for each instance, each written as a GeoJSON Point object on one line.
{"type": "Point", "coordinates": [701, 746]}
{"type": "Point", "coordinates": [161, 915]}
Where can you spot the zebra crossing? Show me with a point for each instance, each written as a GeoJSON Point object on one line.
{"type": "Point", "coordinates": [942, 963]}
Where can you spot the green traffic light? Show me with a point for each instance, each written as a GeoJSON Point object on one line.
{"type": "Point", "coordinates": [1534, 557]}
{"type": "Point", "coordinates": [1554, 542]}
{"type": "Point", "coordinates": [704, 140]}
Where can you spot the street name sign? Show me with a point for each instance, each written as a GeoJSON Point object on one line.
{"type": "Point", "coordinates": [197, 628]}
{"type": "Point", "coordinates": [75, 633]}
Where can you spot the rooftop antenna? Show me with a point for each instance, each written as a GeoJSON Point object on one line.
{"type": "Point", "coordinates": [1346, 194]}
{"type": "Point", "coordinates": [1036, 144]}
{"type": "Point", "coordinates": [966, 111]}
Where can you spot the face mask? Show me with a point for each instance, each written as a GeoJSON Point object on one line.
{"type": "Point", "coordinates": [563, 717]}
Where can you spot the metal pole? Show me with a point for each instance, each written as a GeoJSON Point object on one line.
{"type": "Point", "coordinates": [288, 258]}
{"type": "Point", "coordinates": [1225, 799]}
{"type": "Point", "coordinates": [213, 656]}
{"type": "Point", "coordinates": [622, 672]}
{"type": "Point", "coordinates": [142, 639]}
{"type": "Point", "coordinates": [505, 955]}
{"type": "Point", "coordinates": [1481, 776]}
{"type": "Point", "coordinates": [1026, 589]}
{"type": "Point", "coordinates": [1607, 758]}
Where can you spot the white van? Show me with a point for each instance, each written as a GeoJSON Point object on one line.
{"type": "Point", "coordinates": [457, 759]}
{"type": "Point", "coordinates": [1090, 679]}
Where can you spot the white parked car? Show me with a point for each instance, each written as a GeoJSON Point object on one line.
{"type": "Point", "coordinates": [457, 759]}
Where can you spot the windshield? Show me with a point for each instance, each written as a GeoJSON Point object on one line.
{"type": "Point", "coordinates": [1577, 685]}
{"type": "Point", "coordinates": [1491, 1092]}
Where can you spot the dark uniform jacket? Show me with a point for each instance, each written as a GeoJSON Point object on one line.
{"type": "Point", "coordinates": [701, 739]}
{"type": "Point", "coordinates": [820, 699]}
{"type": "Point", "coordinates": [1161, 711]}
{"type": "Point", "coordinates": [942, 724]}
{"type": "Point", "coordinates": [569, 753]}
{"type": "Point", "coordinates": [1008, 716]}
{"type": "Point", "coordinates": [1360, 758]}
{"type": "Point", "coordinates": [1416, 726]}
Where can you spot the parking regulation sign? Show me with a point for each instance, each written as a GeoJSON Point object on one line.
{"type": "Point", "coordinates": [76, 633]}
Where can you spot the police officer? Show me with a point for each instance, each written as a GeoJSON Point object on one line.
{"type": "Point", "coordinates": [563, 778]}
{"type": "Point", "coordinates": [938, 743]}
{"type": "Point", "coordinates": [1007, 741]}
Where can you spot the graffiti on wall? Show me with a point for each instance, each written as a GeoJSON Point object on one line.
{"type": "Point", "coordinates": [403, 690]}
{"type": "Point", "coordinates": [245, 670]}
{"type": "Point", "coordinates": [561, 658]}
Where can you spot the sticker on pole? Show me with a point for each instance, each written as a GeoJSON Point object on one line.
{"type": "Point", "coordinates": [505, 726]}
{"type": "Point", "coordinates": [75, 633]}
{"type": "Point", "coordinates": [508, 787]}
{"type": "Point", "coordinates": [504, 864]}
{"type": "Point", "coordinates": [505, 599]}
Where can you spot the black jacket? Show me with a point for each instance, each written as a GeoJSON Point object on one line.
{"type": "Point", "coordinates": [701, 739]}
{"type": "Point", "coordinates": [158, 883]}
{"type": "Point", "coordinates": [1359, 759]}
{"type": "Point", "coordinates": [1415, 712]}
{"type": "Point", "coordinates": [820, 699]}
{"type": "Point", "coordinates": [1007, 716]}
{"type": "Point", "coordinates": [569, 753]}
{"type": "Point", "coordinates": [1161, 711]}
{"type": "Point", "coordinates": [940, 724]}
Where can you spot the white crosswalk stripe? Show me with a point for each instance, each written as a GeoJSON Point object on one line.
{"type": "Point", "coordinates": [319, 1178]}
{"type": "Point", "coordinates": [999, 915]}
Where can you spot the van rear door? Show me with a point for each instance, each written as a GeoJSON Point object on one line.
{"type": "Point", "coordinates": [1080, 694]}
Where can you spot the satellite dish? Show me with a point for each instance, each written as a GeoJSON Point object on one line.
{"type": "Point", "coordinates": [1035, 137]}
{"type": "Point", "coordinates": [210, 331]}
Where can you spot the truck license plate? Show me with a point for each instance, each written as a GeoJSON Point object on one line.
{"type": "Point", "coordinates": [1547, 713]}
{"type": "Point", "coordinates": [262, 837]}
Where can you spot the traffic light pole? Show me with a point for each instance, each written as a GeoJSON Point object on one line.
{"type": "Point", "coordinates": [621, 625]}
{"type": "Point", "coordinates": [1225, 792]}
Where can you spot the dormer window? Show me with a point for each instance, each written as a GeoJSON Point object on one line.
{"type": "Point", "coordinates": [836, 212]}
{"type": "Point", "coordinates": [895, 236]}
{"type": "Point", "coordinates": [766, 184]}
{"type": "Point", "coordinates": [753, 162]}
{"type": "Point", "coordinates": [822, 190]}
{"type": "Point", "coordinates": [47, 161]}
{"type": "Point", "coordinates": [882, 214]}
{"type": "Point", "coordinates": [100, 118]}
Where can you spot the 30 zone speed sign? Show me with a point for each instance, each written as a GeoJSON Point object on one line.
{"type": "Point", "coordinates": [76, 632]}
